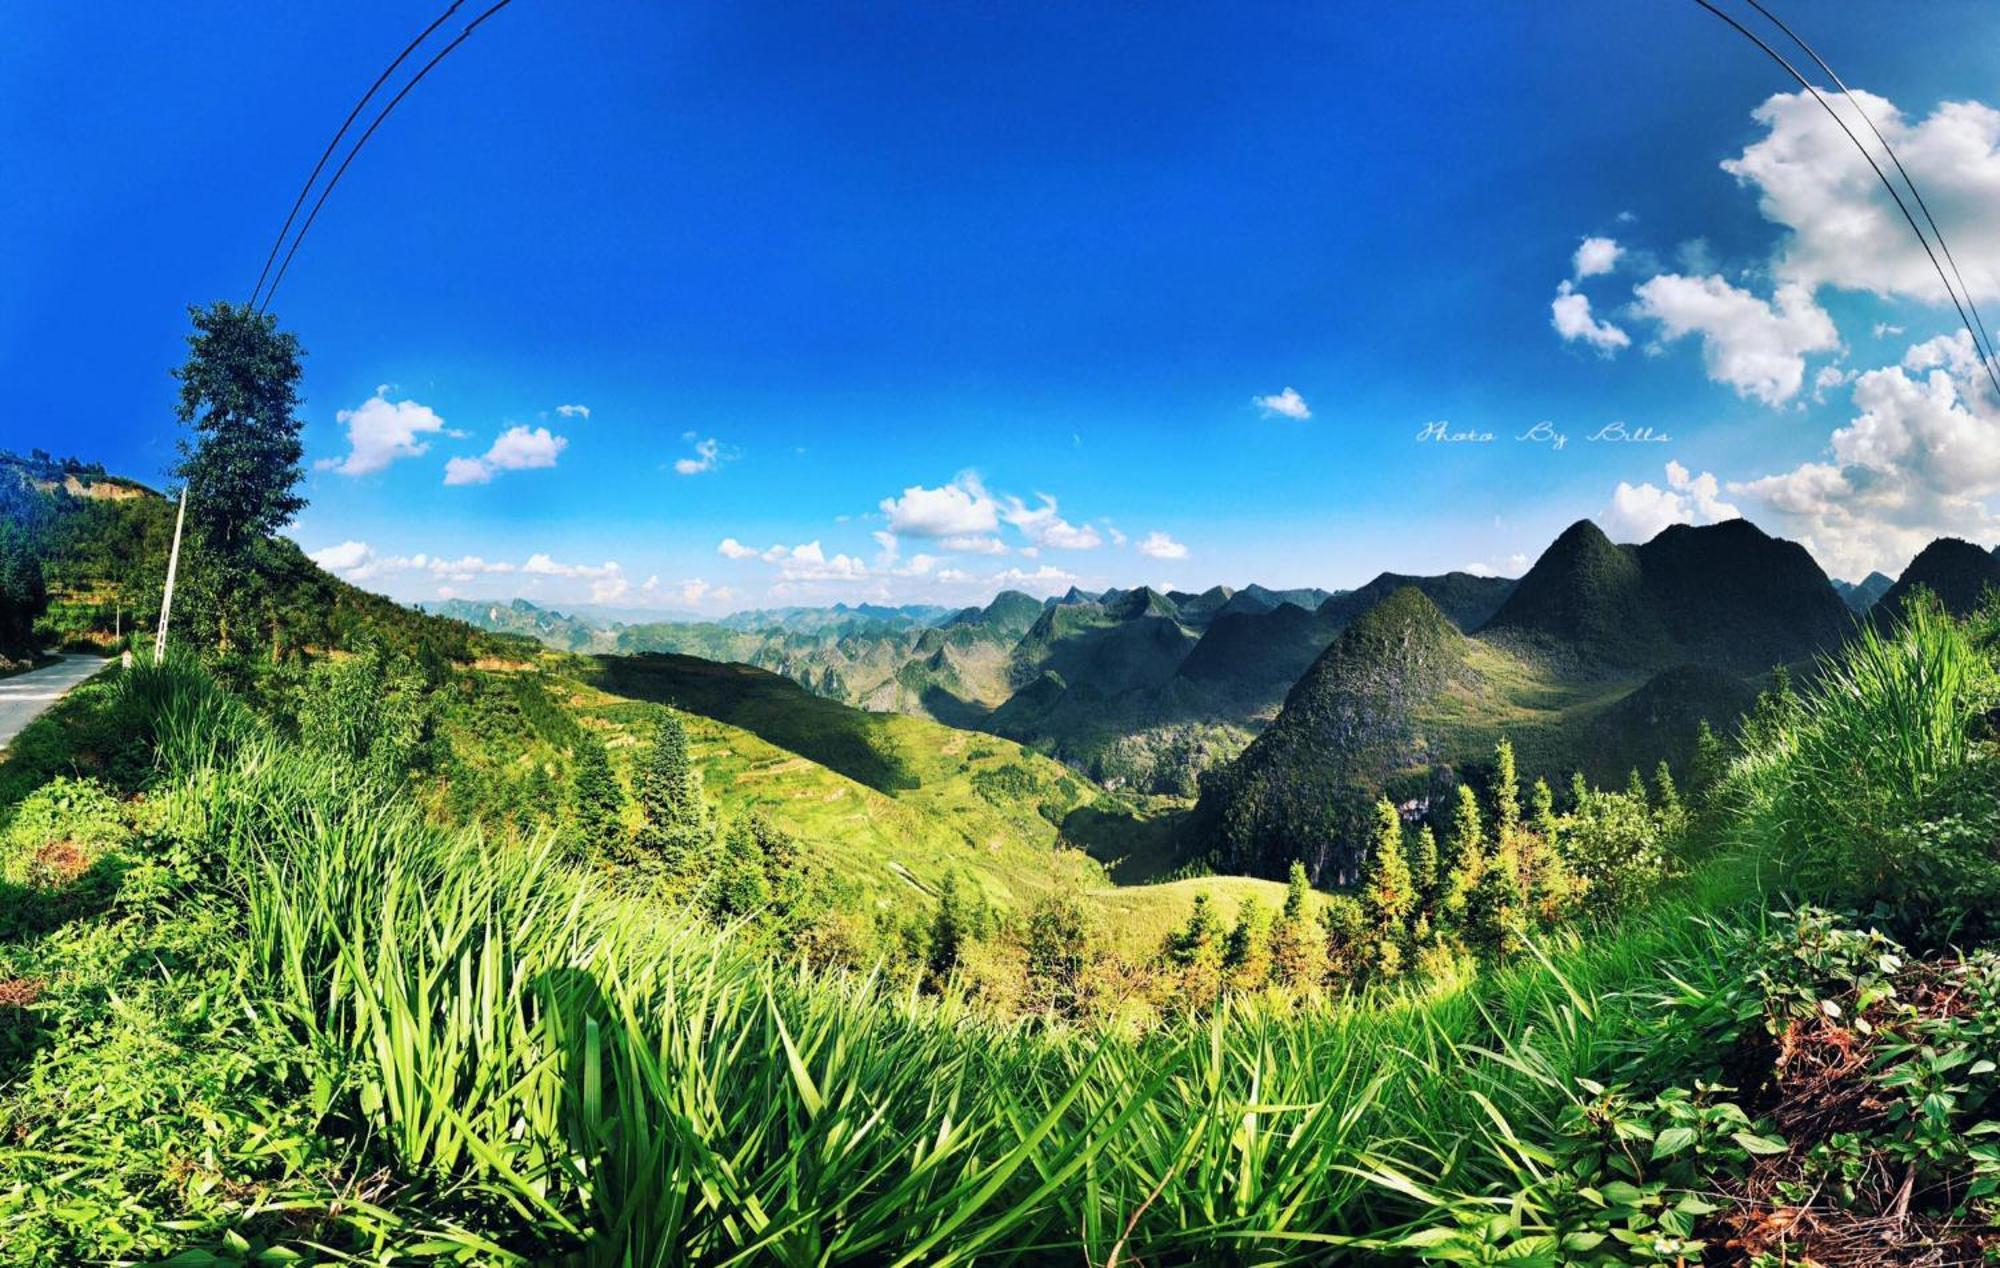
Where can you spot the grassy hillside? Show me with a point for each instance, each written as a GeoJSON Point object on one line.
{"type": "Point", "coordinates": [268, 1013]}
{"type": "Point", "coordinates": [935, 799]}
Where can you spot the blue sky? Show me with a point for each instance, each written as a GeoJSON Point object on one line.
{"type": "Point", "coordinates": [799, 261]}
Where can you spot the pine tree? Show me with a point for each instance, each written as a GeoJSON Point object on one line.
{"type": "Point", "coordinates": [1424, 868]}
{"type": "Point", "coordinates": [1635, 788]}
{"type": "Point", "coordinates": [1387, 896]}
{"type": "Point", "coordinates": [1579, 791]}
{"type": "Point", "coordinates": [1246, 952]}
{"type": "Point", "coordinates": [1546, 876]}
{"type": "Point", "coordinates": [1666, 798]}
{"type": "Point", "coordinates": [669, 795]}
{"type": "Point", "coordinates": [947, 936]}
{"type": "Point", "coordinates": [1298, 958]}
{"type": "Point", "coordinates": [1506, 791]}
{"type": "Point", "coordinates": [1542, 810]}
{"type": "Point", "coordinates": [1197, 950]}
{"type": "Point", "coordinates": [1709, 764]}
{"type": "Point", "coordinates": [1468, 859]}
{"type": "Point", "coordinates": [595, 799]}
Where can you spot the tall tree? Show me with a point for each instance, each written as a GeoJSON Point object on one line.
{"type": "Point", "coordinates": [669, 795]}
{"type": "Point", "coordinates": [595, 799]}
{"type": "Point", "coordinates": [947, 937]}
{"type": "Point", "coordinates": [1506, 791]}
{"type": "Point", "coordinates": [1298, 956]}
{"type": "Point", "coordinates": [239, 394]}
{"type": "Point", "coordinates": [1387, 895]}
{"type": "Point", "coordinates": [1709, 763]}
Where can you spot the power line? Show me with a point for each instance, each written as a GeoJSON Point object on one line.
{"type": "Point", "coordinates": [363, 140]}
{"type": "Point", "coordinates": [1985, 362]}
{"type": "Point", "coordinates": [1986, 349]}
{"type": "Point", "coordinates": [278, 242]}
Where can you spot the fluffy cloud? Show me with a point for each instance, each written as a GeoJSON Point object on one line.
{"type": "Point", "coordinates": [1595, 256]}
{"type": "Point", "coordinates": [708, 454]}
{"type": "Point", "coordinates": [1569, 313]}
{"type": "Point", "coordinates": [1157, 545]}
{"type": "Point", "coordinates": [358, 561]}
{"type": "Point", "coordinates": [1753, 345]}
{"type": "Point", "coordinates": [811, 563]}
{"type": "Point", "coordinates": [1044, 580]}
{"type": "Point", "coordinates": [516, 449]}
{"type": "Point", "coordinates": [379, 431]}
{"type": "Point", "coordinates": [1844, 229]}
{"type": "Point", "coordinates": [689, 593]}
{"type": "Point", "coordinates": [1043, 526]}
{"type": "Point", "coordinates": [540, 565]}
{"type": "Point", "coordinates": [975, 545]}
{"type": "Point", "coordinates": [1920, 458]}
{"type": "Point", "coordinates": [573, 411]}
{"type": "Point", "coordinates": [341, 558]}
{"type": "Point", "coordinates": [1285, 404]}
{"type": "Point", "coordinates": [1639, 512]}
{"type": "Point", "coordinates": [730, 548]}
{"type": "Point", "coordinates": [961, 508]}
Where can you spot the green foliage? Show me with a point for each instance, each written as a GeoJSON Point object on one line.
{"type": "Point", "coordinates": [368, 710]}
{"type": "Point", "coordinates": [1387, 896]}
{"type": "Point", "coordinates": [24, 595]}
{"type": "Point", "coordinates": [1058, 945]}
{"type": "Point", "coordinates": [597, 803]}
{"type": "Point", "coordinates": [1875, 785]}
{"type": "Point", "coordinates": [675, 820]}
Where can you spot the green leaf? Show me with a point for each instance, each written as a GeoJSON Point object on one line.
{"type": "Point", "coordinates": [1762, 1145]}
{"type": "Point", "coordinates": [1672, 1141]}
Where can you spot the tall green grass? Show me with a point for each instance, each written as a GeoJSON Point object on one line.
{"type": "Point", "coordinates": [633, 1090]}
{"type": "Point", "coordinates": [580, 1077]}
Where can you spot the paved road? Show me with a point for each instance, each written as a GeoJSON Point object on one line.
{"type": "Point", "coordinates": [24, 696]}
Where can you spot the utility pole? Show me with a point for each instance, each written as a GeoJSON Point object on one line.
{"type": "Point", "coordinates": [173, 567]}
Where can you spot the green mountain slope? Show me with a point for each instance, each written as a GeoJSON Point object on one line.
{"type": "Point", "coordinates": [1956, 571]}
{"type": "Point", "coordinates": [1304, 787]}
{"type": "Point", "coordinates": [1725, 594]}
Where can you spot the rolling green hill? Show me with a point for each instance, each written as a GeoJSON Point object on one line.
{"type": "Point", "coordinates": [1956, 571]}
{"type": "Point", "coordinates": [1603, 659]}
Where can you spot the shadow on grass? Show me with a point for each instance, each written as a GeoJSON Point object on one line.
{"type": "Point", "coordinates": [1134, 849]}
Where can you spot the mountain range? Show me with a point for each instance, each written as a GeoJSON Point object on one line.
{"type": "Point", "coordinates": [1282, 714]}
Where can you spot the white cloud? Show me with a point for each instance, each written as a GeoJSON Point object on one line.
{"type": "Point", "coordinates": [810, 562]}
{"type": "Point", "coordinates": [918, 566]}
{"type": "Point", "coordinates": [1595, 256]}
{"type": "Point", "coordinates": [1639, 512]}
{"type": "Point", "coordinates": [1285, 404]}
{"type": "Point", "coordinates": [733, 549]}
{"type": "Point", "coordinates": [708, 454]}
{"type": "Point", "coordinates": [1844, 229]}
{"type": "Point", "coordinates": [379, 431]}
{"type": "Point", "coordinates": [609, 590]}
{"type": "Point", "coordinates": [1569, 313]}
{"type": "Point", "coordinates": [1883, 330]}
{"type": "Point", "coordinates": [1043, 580]}
{"type": "Point", "coordinates": [960, 508]}
{"type": "Point", "coordinates": [540, 565]}
{"type": "Point", "coordinates": [357, 561]}
{"type": "Point", "coordinates": [1919, 459]}
{"type": "Point", "coordinates": [1755, 346]}
{"type": "Point", "coordinates": [1158, 545]}
{"type": "Point", "coordinates": [1043, 526]}
{"type": "Point", "coordinates": [975, 545]}
{"type": "Point", "coordinates": [573, 411]}
{"type": "Point", "coordinates": [516, 449]}
{"type": "Point", "coordinates": [341, 558]}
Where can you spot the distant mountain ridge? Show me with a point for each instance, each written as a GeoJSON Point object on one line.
{"type": "Point", "coordinates": [1726, 594]}
{"type": "Point", "coordinates": [1958, 572]}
